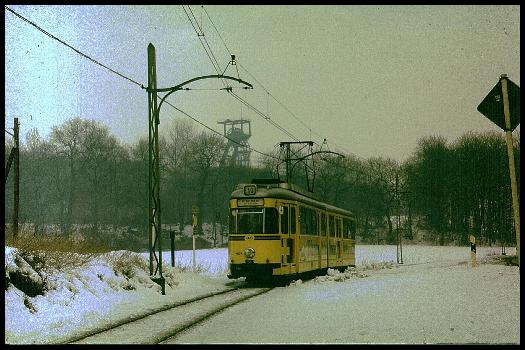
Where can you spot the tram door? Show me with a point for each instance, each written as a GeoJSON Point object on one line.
{"type": "Point", "coordinates": [288, 229]}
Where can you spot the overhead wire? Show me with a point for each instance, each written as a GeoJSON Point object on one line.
{"type": "Point", "coordinates": [264, 88]}
{"type": "Point", "coordinates": [246, 70]}
{"type": "Point", "coordinates": [72, 48]}
{"type": "Point", "coordinates": [129, 79]}
{"type": "Point", "coordinates": [216, 66]}
{"type": "Point", "coordinates": [218, 133]}
{"type": "Point", "coordinates": [206, 46]}
{"type": "Point", "coordinates": [210, 55]}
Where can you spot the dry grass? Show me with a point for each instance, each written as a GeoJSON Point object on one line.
{"type": "Point", "coordinates": [509, 260]}
{"type": "Point", "coordinates": [55, 251]}
{"type": "Point", "coordinates": [126, 263]}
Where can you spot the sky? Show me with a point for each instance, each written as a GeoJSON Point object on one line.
{"type": "Point", "coordinates": [371, 80]}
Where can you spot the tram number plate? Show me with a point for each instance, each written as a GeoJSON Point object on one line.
{"type": "Point", "coordinates": [250, 202]}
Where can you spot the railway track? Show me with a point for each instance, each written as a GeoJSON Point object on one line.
{"type": "Point", "coordinates": [163, 324]}
{"type": "Point", "coordinates": [160, 325]}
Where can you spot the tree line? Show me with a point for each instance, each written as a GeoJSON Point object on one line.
{"type": "Point", "coordinates": [82, 175]}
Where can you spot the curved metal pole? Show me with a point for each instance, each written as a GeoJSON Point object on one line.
{"type": "Point", "coordinates": [308, 155]}
{"type": "Point", "coordinates": [218, 76]}
{"type": "Point", "coordinates": [317, 152]}
{"type": "Point", "coordinates": [311, 154]}
{"type": "Point", "coordinates": [179, 86]}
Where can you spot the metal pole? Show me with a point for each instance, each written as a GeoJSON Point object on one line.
{"type": "Point", "coordinates": [288, 175]}
{"type": "Point", "coordinates": [193, 226]}
{"type": "Point", "coordinates": [172, 238]}
{"type": "Point", "coordinates": [17, 179]}
{"type": "Point", "coordinates": [512, 168]}
{"type": "Point", "coordinates": [155, 226]}
{"type": "Point", "coordinates": [215, 231]}
{"type": "Point", "coordinates": [194, 219]}
{"type": "Point", "coordinates": [472, 239]}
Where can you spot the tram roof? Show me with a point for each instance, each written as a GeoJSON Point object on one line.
{"type": "Point", "coordinates": [284, 190]}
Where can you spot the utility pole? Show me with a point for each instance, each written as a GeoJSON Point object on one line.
{"type": "Point", "coordinates": [512, 167]}
{"type": "Point", "coordinates": [17, 178]}
{"type": "Point", "coordinates": [399, 235]}
{"type": "Point", "coordinates": [154, 106]}
{"type": "Point", "coordinates": [155, 235]}
{"type": "Point", "coordinates": [502, 107]}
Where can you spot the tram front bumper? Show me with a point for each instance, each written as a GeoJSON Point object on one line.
{"type": "Point", "coordinates": [251, 269]}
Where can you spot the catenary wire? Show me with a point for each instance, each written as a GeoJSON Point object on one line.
{"type": "Point", "coordinates": [216, 132]}
{"type": "Point", "coordinates": [215, 65]}
{"type": "Point", "coordinates": [264, 88]}
{"type": "Point", "coordinates": [72, 48]}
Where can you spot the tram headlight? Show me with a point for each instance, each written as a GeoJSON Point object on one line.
{"type": "Point", "coordinates": [249, 253]}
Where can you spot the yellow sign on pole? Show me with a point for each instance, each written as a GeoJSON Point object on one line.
{"type": "Point", "coordinates": [194, 220]}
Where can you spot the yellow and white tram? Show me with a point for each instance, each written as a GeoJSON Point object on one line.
{"type": "Point", "coordinates": [278, 229]}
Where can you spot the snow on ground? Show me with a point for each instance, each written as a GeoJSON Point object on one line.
{"type": "Point", "coordinates": [116, 285]}
{"type": "Point", "coordinates": [428, 304]}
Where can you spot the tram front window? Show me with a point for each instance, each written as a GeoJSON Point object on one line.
{"type": "Point", "coordinates": [254, 220]}
{"type": "Point", "coordinates": [250, 221]}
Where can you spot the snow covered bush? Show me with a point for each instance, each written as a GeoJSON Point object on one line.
{"type": "Point", "coordinates": [22, 275]}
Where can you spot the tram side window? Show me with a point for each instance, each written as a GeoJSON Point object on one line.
{"type": "Point", "coordinates": [292, 219]}
{"type": "Point", "coordinates": [271, 224]}
{"type": "Point", "coordinates": [349, 228]}
{"type": "Point", "coordinates": [331, 219]}
{"type": "Point", "coordinates": [346, 228]}
{"type": "Point", "coordinates": [352, 229]}
{"type": "Point", "coordinates": [284, 220]}
{"type": "Point", "coordinates": [315, 227]}
{"type": "Point", "coordinates": [308, 219]}
{"type": "Point", "coordinates": [323, 223]}
{"type": "Point", "coordinates": [303, 220]}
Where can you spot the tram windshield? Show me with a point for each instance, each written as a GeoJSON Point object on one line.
{"type": "Point", "coordinates": [254, 220]}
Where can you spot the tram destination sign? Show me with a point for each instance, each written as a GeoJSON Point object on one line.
{"type": "Point", "coordinates": [492, 106]}
{"type": "Point", "coordinates": [245, 202]}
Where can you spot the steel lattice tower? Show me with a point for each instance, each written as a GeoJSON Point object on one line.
{"type": "Point", "coordinates": [237, 149]}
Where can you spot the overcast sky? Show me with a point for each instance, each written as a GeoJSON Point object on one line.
{"type": "Point", "coordinates": [372, 80]}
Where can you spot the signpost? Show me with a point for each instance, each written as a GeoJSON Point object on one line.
{"type": "Point", "coordinates": [473, 250]}
{"type": "Point", "coordinates": [194, 213]}
{"type": "Point", "coordinates": [502, 106]}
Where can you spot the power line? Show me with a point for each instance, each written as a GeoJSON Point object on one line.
{"type": "Point", "coordinates": [216, 67]}
{"type": "Point", "coordinates": [264, 116]}
{"type": "Point", "coordinates": [246, 70]}
{"type": "Point", "coordinates": [264, 88]}
{"type": "Point", "coordinates": [74, 49]}
{"type": "Point", "coordinates": [218, 133]}
{"type": "Point", "coordinates": [201, 36]}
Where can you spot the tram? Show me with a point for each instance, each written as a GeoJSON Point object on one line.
{"type": "Point", "coordinates": [277, 229]}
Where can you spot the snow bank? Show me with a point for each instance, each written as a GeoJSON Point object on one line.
{"type": "Point", "coordinates": [85, 292]}
{"type": "Point", "coordinates": [107, 288]}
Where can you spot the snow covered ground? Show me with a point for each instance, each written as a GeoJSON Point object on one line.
{"type": "Point", "coordinates": [436, 297]}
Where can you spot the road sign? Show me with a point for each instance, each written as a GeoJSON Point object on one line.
{"type": "Point", "coordinates": [194, 220]}
{"type": "Point", "coordinates": [492, 105]}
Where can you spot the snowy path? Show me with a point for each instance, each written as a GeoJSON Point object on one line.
{"type": "Point", "coordinates": [155, 328]}
{"type": "Point", "coordinates": [426, 303]}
